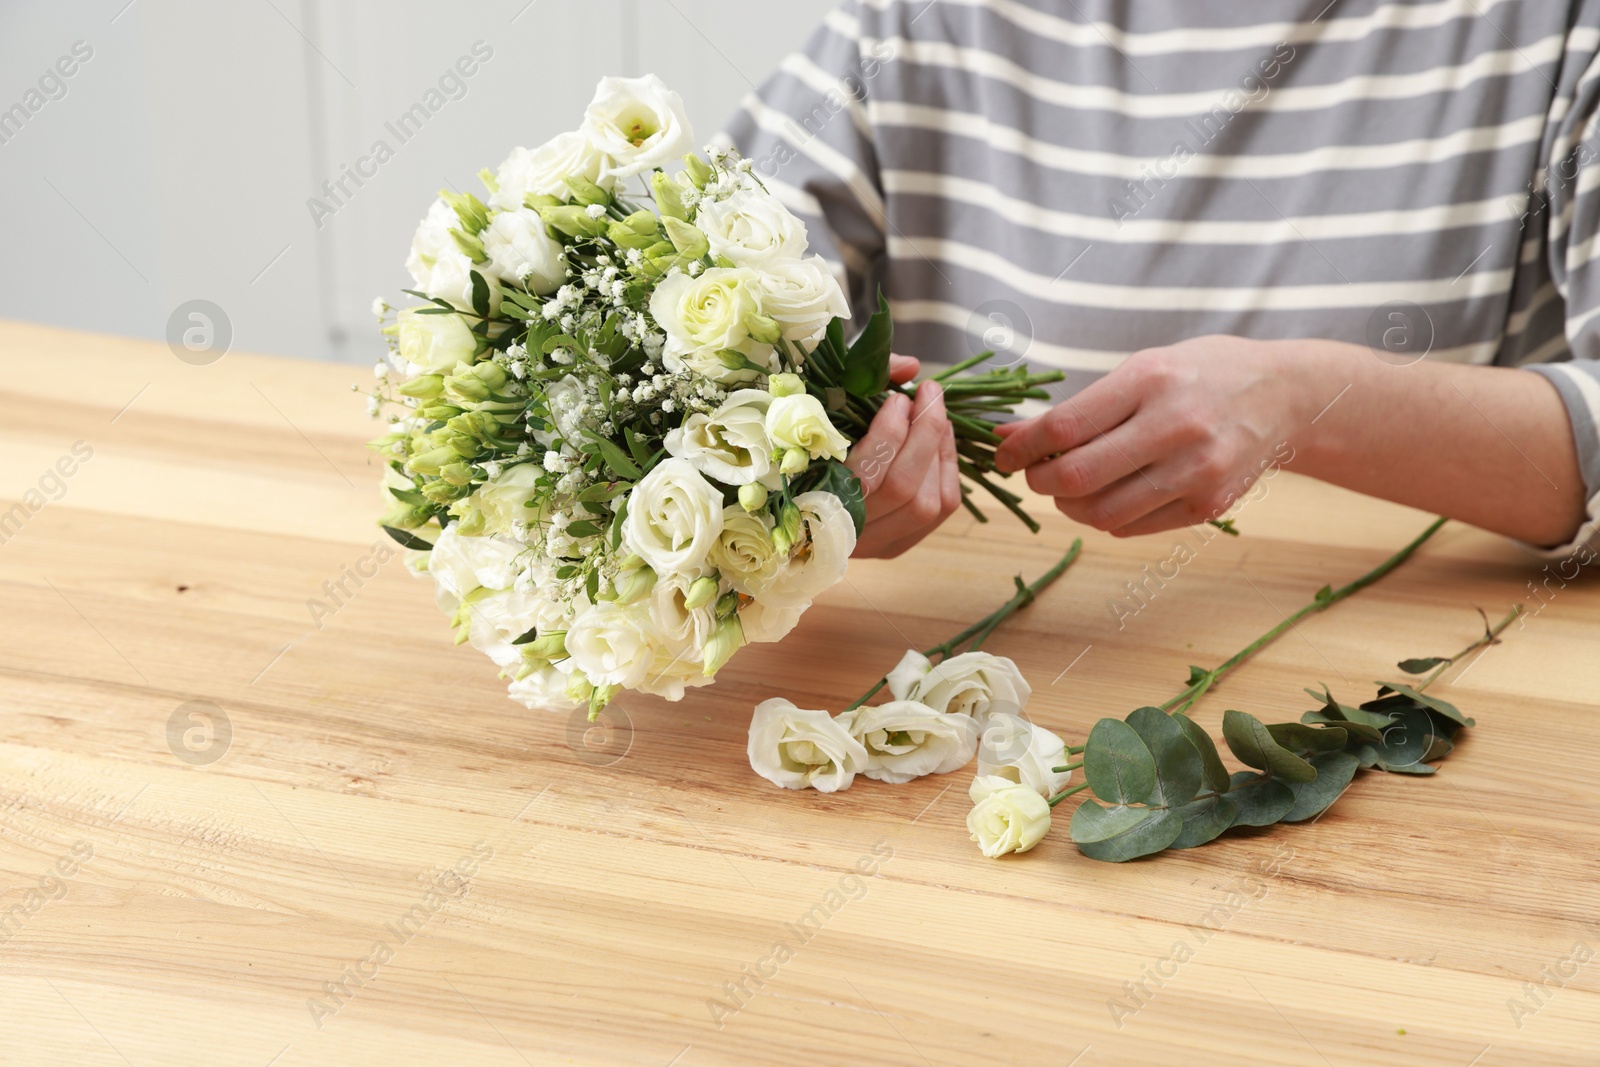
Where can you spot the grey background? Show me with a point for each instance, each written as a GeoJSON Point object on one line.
{"type": "Point", "coordinates": [178, 163]}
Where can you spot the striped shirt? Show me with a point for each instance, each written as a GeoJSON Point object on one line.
{"type": "Point", "coordinates": [1075, 180]}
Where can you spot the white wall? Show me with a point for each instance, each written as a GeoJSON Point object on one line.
{"type": "Point", "coordinates": [179, 162]}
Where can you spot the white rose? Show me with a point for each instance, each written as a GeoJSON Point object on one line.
{"type": "Point", "coordinates": [1013, 748]}
{"type": "Point", "coordinates": [612, 645]}
{"type": "Point", "coordinates": [906, 740]}
{"type": "Point", "coordinates": [545, 688]}
{"type": "Point", "coordinates": [503, 499]}
{"type": "Point", "coordinates": [1006, 817]}
{"type": "Point", "coordinates": [441, 269]}
{"type": "Point", "coordinates": [803, 296]}
{"type": "Point", "coordinates": [821, 557]}
{"type": "Point", "coordinates": [744, 553]}
{"type": "Point", "coordinates": [520, 250]}
{"type": "Point", "coordinates": [751, 228]}
{"type": "Point", "coordinates": [434, 344]}
{"type": "Point", "coordinates": [730, 444]}
{"type": "Point", "coordinates": [705, 315]}
{"type": "Point", "coordinates": [462, 564]}
{"type": "Point", "coordinates": [800, 421]}
{"type": "Point", "coordinates": [674, 517]}
{"type": "Point", "coordinates": [638, 124]}
{"type": "Point", "coordinates": [544, 171]}
{"type": "Point", "coordinates": [794, 749]}
{"type": "Point", "coordinates": [767, 622]}
{"type": "Point", "coordinates": [975, 683]}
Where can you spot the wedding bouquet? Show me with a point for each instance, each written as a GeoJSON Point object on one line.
{"type": "Point", "coordinates": [617, 432]}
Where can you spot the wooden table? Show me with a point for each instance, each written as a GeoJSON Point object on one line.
{"type": "Point", "coordinates": [356, 850]}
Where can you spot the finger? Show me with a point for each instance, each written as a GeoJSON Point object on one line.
{"type": "Point", "coordinates": [874, 455]}
{"type": "Point", "coordinates": [919, 452]}
{"type": "Point", "coordinates": [903, 369]}
{"type": "Point", "coordinates": [917, 518]}
{"type": "Point", "coordinates": [1093, 466]}
{"type": "Point", "coordinates": [1176, 515]}
{"type": "Point", "coordinates": [1096, 410]}
{"type": "Point", "coordinates": [1006, 429]}
{"type": "Point", "coordinates": [950, 481]}
{"type": "Point", "coordinates": [1123, 502]}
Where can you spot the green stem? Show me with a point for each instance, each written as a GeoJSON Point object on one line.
{"type": "Point", "coordinates": [1059, 797]}
{"type": "Point", "coordinates": [1066, 767]}
{"type": "Point", "coordinates": [1198, 688]}
{"type": "Point", "coordinates": [1490, 634]}
{"type": "Point", "coordinates": [985, 626]}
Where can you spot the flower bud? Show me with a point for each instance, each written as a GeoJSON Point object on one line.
{"type": "Point", "coordinates": [669, 197]}
{"type": "Point", "coordinates": [753, 496]}
{"type": "Point", "coordinates": [795, 461]}
{"type": "Point", "coordinates": [587, 192]}
{"type": "Point", "coordinates": [727, 604]}
{"type": "Point", "coordinates": [573, 221]}
{"type": "Point", "coordinates": [599, 698]}
{"type": "Point", "coordinates": [639, 230]}
{"type": "Point", "coordinates": [635, 585]}
{"type": "Point", "coordinates": [423, 386]}
{"type": "Point", "coordinates": [789, 520]}
{"type": "Point", "coordinates": [763, 328]}
{"type": "Point", "coordinates": [578, 689]}
{"type": "Point", "coordinates": [722, 644]}
{"type": "Point", "coordinates": [456, 473]}
{"type": "Point", "coordinates": [538, 201]}
{"type": "Point", "coordinates": [441, 411]}
{"type": "Point", "coordinates": [466, 389]}
{"type": "Point", "coordinates": [472, 212]}
{"type": "Point", "coordinates": [431, 461]}
{"type": "Point", "coordinates": [690, 242]}
{"type": "Point", "coordinates": [403, 516]}
{"type": "Point", "coordinates": [785, 385]}
{"type": "Point", "coordinates": [781, 540]}
{"type": "Point", "coordinates": [702, 591]}
{"type": "Point", "coordinates": [699, 170]}
{"type": "Point", "coordinates": [552, 645]}
{"type": "Point", "coordinates": [490, 182]}
{"type": "Point", "coordinates": [470, 246]}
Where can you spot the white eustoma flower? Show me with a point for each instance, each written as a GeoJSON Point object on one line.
{"type": "Point", "coordinates": [520, 250]}
{"type": "Point", "coordinates": [802, 296]}
{"type": "Point", "coordinates": [730, 444]}
{"type": "Point", "coordinates": [495, 620]}
{"type": "Point", "coordinates": [462, 564]}
{"type": "Point", "coordinates": [638, 124]}
{"type": "Point", "coordinates": [794, 748]}
{"type": "Point", "coordinates": [434, 344]}
{"type": "Point", "coordinates": [441, 269]}
{"type": "Point", "coordinates": [674, 517]}
{"type": "Point", "coordinates": [822, 556]}
{"type": "Point", "coordinates": [975, 683]}
{"type": "Point", "coordinates": [751, 228]}
{"type": "Point", "coordinates": [906, 740]}
{"type": "Point", "coordinates": [800, 421]}
{"type": "Point", "coordinates": [1006, 817]}
{"type": "Point", "coordinates": [744, 553]}
{"type": "Point", "coordinates": [764, 622]}
{"type": "Point", "coordinates": [1011, 747]}
{"type": "Point", "coordinates": [545, 688]}
{"type": "Point", "coordinates": [544, 171]}
{"type": "Point", "coordinates": [678, 628]}
{"type": "Point", "coordinates": [503, 499]}
{"type": "Point", "coordinates": [719, 310]}
{"type": "Point", "coordinates": [612, 645]}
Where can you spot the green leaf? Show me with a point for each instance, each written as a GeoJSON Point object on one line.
{"type": "Point", "coordinates": [1262, 802]}
{"type": "Point", "coordinates": [1421, 666]}
{"type": "Point", "coordinates": [1334, 772]}
{"type": "Point", "coordinates": [1249, 740]}
{"type": "Point", "coordinates": [636, 447]}
{"type": "Point", "coordinates": [835, 338]}
{"type": "Point", "coordinates": [1179, 766]}
{"type": "Point", "coordinates": [1204, 819]}
{"type": "Point", "coordinates": [1153, 834]}
{"type": "Point", "coordinates": [1303, 740]}
{"type": "Point", "coordinates": [617, 519]}
{"type": "Point", "coordinates": [1117, 764]}
{"type": "Point", "coordinates": [842, 482]}
{"type": "Point", "coordinates": [528, 638]}
{"type": "Point", "coordinates": [1354, 731]}
{"type": "Point", "coordinates": [407, 540]}
{"type": "Point", "coordinates": [1449, 711]}
{"type": "Point", "coordinates": [1091, 822]}
{"type": "Point", "coordinates": [600, 492]}
{"type": "Point", "coordinates": [1324, 594]}
{"type": "Point", "coordinates": [866, 364]}
{"type": "Point", "coordinates": [1196, 675]}
{"type": "Point", "coordinates": [480, 295]}
{"type": "Point", "coordinates": [582, 528]}
{"type": "Point", "coordinates": [615, 457]}
{"type": "Point", "coordinates": [1406, 741]}
{"type": "Point", "coordinates": [1214, 773]}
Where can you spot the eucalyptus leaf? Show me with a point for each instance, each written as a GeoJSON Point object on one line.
{"type": "Point", "coordinates": [1249, 740]}
{"type": "Point", "coordinates": [1179, 766]}
{"type": "Point", "coordinates": [1153, 834]}
{"type": "Point", "coordinates": [1354, 731]}
{"type": "Point", "coordinates": [1091, 822]}
{"type": "Point", "coordinates": [1214, 774]}
{"type": "Point", "coordinates": [1422, 666]}
{"type": "Point", "coordinates": [1449, 711]}
{"type": "Point", "coordinates": [1204, 819]}
{"type": "Point", "coordinates": [1301, 739]}
{"type": "Point", "coordinates": [1407, 740]}
{"type": "Point", "coordinates": [1261, 801]}
{"type": "Point", "coordinates": [1117, 764]}
{"type": "Point", "coordinates": [1334, 772]}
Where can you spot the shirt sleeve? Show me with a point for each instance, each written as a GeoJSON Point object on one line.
{"type": "Point", "coordinates": [808, 138]}
{"type": "Point", "coordinates": [1566, 201]}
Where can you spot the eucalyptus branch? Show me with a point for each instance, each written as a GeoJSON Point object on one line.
{"type": "Point", "coordinates": [979, 631]}
{"type": "Point", "coordinates": [1490, 636]}
{"type": "Point", "coordinates": [1326, 598]}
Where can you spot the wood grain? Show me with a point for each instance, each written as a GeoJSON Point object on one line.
{"type": "Point", "coordinates": [616, 881]}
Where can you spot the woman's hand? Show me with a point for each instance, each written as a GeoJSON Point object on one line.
{"type": "Point", "coordinates": [907, 466]}
{"type": "Point", "coordinates": [1170, 438]}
